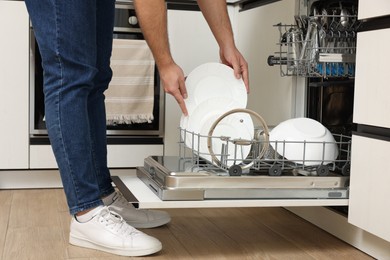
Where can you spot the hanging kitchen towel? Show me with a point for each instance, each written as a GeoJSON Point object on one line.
{"type": "Point", "coordinates": [130, 95]}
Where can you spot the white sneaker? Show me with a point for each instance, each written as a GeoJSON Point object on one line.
{"type": "Point", "coordinates": [138, 218]}
{"type": "Point", "coordinates": [107, 231]}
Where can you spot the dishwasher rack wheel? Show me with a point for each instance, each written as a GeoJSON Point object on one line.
{"type": "Point", "coordinates": [323, 170]}
{"type": "Point", "coordinates": [235, 170]}
{"type": "Point", "coordinates": [346, 169]}
{"type": "Point", "coordinates": [275, 170]}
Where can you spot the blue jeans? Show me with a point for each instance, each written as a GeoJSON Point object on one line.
{"type": "Point", "coordinates": [75, 42]}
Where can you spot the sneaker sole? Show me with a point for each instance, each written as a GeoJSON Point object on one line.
{"type": "Point", "coordinates": [133, 252]}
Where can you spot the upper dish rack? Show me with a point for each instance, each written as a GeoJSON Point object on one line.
{"type": "Point", "coordinates": [320, 45]}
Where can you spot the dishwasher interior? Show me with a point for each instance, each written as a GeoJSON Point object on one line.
{"type": "Point", "coordinates": [321, 47]}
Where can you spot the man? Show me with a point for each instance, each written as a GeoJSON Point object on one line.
{"type": "Point", "coordinates": [75, 41]}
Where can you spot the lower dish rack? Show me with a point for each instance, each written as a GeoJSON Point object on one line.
{"type": "Point", "coordinates": [262, 174]}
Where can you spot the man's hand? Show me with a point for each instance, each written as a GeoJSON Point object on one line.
{"type": "Point", "coordinates": [233, 58]}
{"type": "Point", "coordinates": [217, 17]}
{"type": "Point", "coordinates": [172, 78]}
{"type": "Point", "coordinates": [153, 21]}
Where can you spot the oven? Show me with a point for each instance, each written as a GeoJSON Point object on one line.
{"type": "Point", "coordinates": [149, 130]}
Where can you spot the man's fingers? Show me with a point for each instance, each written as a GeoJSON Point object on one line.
{"type": "Point", "coordinates": [245, 77]}
{"type": "Point", "coordinates": [237, 70]}
{"type": "Point", "coordinates": [183, 89]}
{"type": "Point", "coordinates": [241, 71]}
{"type": "Point", "coordinates": [180, 100]}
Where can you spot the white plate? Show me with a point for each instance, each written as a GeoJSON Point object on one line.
{"type": "Point", "coordinates": [211, 80]}
{"type": "Point", "coordinates": [186, 136]}
{"type": "Point", "coordinates": [234, 126]}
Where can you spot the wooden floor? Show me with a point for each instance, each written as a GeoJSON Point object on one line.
{"type": "Point", "coordinates": [34, 224]}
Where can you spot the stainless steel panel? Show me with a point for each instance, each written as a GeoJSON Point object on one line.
{"type": "Point", "coordinates": [170, 178]}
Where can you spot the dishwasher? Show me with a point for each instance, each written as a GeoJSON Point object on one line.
{"type": "Point", "coordinates": [318, 48]}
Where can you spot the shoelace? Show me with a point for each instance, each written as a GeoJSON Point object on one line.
{"type": "Point", "coordinates": [115, 222]}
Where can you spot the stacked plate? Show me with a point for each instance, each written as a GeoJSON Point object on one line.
{"type": "Point", "coordinates": [212, 91]}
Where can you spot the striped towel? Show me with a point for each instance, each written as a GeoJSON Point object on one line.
{"type": "Point", "coordinates": [130, 95]}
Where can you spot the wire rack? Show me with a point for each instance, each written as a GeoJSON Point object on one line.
{"type": "Point", "coordinates": [262, 157]}
{"type": "Point", "coordinates": [321, 45]}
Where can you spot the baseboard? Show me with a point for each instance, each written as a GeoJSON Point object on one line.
{"type": "Point", "coordinates": [29, 179]}
{"type": "Point", "coordinates": [39, 179]}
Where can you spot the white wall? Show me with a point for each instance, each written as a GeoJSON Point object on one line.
{"type": "Point", "coordinates": [271, 95]}
{"type": "Point", "coordinates": [192, 44]}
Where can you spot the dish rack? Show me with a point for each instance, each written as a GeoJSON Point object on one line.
{"type": "Point", "coordinates": [200, 173]}
{"type": "Point", "coordinates": [320, 45]}
{"type": "Point", "coordinates": [262, 159]}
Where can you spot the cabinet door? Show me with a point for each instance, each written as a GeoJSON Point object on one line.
{"type": "Point", "coordinates": [14, 85]}
{"type": "Point", "coordinates": [118, 156]}
{"type": "Point", "coordinates": [371, 9]}
{"type": "Point", "coordinates": [369, 195]}
{"type": "Point", "coordinates": [372, 92]}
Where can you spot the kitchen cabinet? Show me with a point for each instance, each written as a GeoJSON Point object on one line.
{"type": "Point", "coordinates": [369, 196]}
{"type": "Point", "coordinates": [370, 178]}
{"type": "Point", "coordinates": [14, 82]}
{"type": "Point", "coordinates": [372, 90]}
{"type": "Point", "coordinates": [118, 156]}
{"type": "Point", "coordinates": [370, 9]}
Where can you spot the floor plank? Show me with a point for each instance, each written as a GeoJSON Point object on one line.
{"type": "Point", "coordinates": [5, 208]}
{"type": "Point", "coordinates": [172, 246]}
{"type": "Point", "coordinates": [258, 241]}
{"type": "Point", "coordinates": [34, 224]}
{"type": "Point", "coordinates": [200, 237]}
{"type": "Point", "coordinates": [308, 238]}
{"type": "Point", "coordinates": [34, 243]}
{"type": "Point", "coordinates": [34, 208]}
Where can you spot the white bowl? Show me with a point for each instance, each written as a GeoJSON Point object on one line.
{"type": "Point", "coordinates": [304, 141]}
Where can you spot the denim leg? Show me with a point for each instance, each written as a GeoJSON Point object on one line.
{"type": "Point", "coordinates": [66, 33]}
{"type": "Point", "coordinates": [96, 106]}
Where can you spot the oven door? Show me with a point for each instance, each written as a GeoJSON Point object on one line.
{"type": "Point", "coordinates": [153, 100]}
{"type": "Point", "coordinates": [125, 28]}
